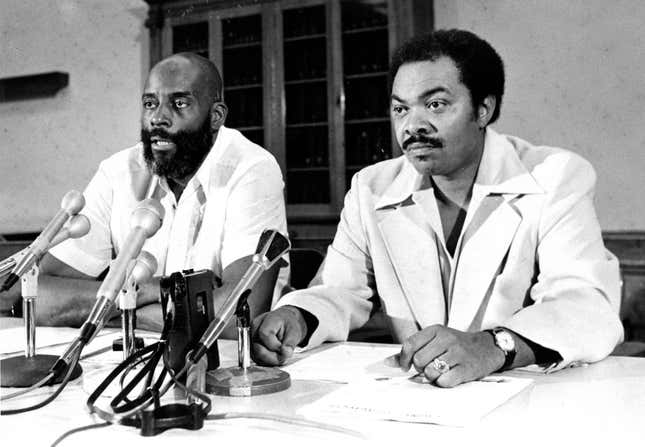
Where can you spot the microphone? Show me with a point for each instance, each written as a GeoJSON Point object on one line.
{"type": "Point", "coordinates": [78, 226]}
{"type": "Point", "coordinates": [71, 204]}
{"type": "Point", "coordinates": [271, 247]}
{"type": "Point", "coordinates": [145, 222]}
{"type": "Point", "coordinates": [144, 268]}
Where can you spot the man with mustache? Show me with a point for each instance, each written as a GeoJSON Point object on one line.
{"type": "Point", "coordinates": [219, 191]}
{"type": "Point", "coordinates": [483, 250]}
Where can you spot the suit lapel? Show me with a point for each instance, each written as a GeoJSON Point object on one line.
{"type": "Point", "coordinates": [484, 245]}
{"type": "Point", "coordinates": [412, 249]}
{"type": "Point", "coordinates": [490, 226]}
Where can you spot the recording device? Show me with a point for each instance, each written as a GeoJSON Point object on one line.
{"type": "Point", "coordinates": [188, 295]}
{"type": "Point", "coordinates": [72, 203]}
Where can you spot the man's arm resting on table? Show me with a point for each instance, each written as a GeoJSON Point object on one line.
{"type": "Point", "coordinates": [66, 295]}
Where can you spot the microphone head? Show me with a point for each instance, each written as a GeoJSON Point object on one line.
{"type": "Point", "coordinates": [272, 245]}
{"type": "Point", "coordinates": [78, 226]}
{"type": "Point", "coordinates": [148, 215]}
{"type": "Point", "coordinates": [144, 268]}
{"type": "Point", "coordinates": [72, 202]}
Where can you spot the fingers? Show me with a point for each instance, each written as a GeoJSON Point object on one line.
{"type": "Point", "coordinates": [413, 344]}
{"type": "Point", "coordinates": [275, 335]}
{"type": "Point", "coordinates": [266, 344]}
{"type": "Point", "coordinates": [440, 366]}
{"type": "Point", "coordinates": [263, 356]}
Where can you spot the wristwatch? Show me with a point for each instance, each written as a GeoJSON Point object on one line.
{"type": "Point", "coordinates": [504, 341]}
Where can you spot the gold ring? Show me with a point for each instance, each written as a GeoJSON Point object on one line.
{"type": "Point", "coordinates": [441, 366]}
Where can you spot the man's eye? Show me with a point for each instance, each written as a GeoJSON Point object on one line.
{"type": "Point", "coordinates": [436, 105]}
{"type": "Point", "coordinates": [180, 103]}
{"type": "Point", "coordinates": [148, 104]}
{"type": "Point", "coordinates": [397, 110]}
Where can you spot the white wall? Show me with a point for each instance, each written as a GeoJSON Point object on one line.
{"type": "Point", "coordinates": [49, 146]}
{"type": "Point", "coordinates": [575, 79]}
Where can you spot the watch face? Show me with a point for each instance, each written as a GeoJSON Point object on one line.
{"type": "Point", "coordinates": [505, 341]}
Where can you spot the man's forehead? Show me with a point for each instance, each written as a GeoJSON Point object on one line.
{"type": "Point", "coordinates": [442, 72]}
{"type": "Point", "coordinates": [175, 74]}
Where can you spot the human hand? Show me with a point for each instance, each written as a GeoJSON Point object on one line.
{"type": "Point", "coordinates": [470, 355]}
{"type": "Point", "coordinates": [275, 335]}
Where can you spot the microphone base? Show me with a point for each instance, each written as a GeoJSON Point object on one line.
{"type": "Point", "coordinates": [23, 372]}
{"type": "Point", "coordinates": [253, 381]}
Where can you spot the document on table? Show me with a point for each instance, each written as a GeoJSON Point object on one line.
{"type": "Point", "coordinates": [345, 363]}
{"type": "Point", "coordinates": [385, 393]}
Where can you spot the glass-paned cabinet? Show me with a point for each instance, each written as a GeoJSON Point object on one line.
{"type": "Point", "coordinates": [242, 74]}
{"type": "Point", "coordinates": [365, 35]}
{"type": "Point", "coordinates": [306, 79]}
{"type": "Point", "coordinates": [305, 41]}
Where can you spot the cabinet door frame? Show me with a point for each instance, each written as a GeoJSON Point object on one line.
{"type": "Point", "coordinates": [313, 210]}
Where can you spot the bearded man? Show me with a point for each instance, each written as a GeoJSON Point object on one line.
{"type": "Point", "coordinates": [218, 189]}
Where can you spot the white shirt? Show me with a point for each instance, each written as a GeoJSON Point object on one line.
{"type": "Point", "coordinates": [234, 195]}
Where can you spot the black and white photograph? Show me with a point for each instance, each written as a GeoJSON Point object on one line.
{"type": "Point", "coordinates": [322, 222]}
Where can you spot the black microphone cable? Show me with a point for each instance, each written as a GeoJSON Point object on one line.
{"type": "Point", "coordinates": [132, 412]}
{"type": "Point", "coordinates": [56, 369]}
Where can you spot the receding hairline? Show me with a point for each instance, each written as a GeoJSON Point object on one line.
{"type": "Point", "coordinates": [207, 69]}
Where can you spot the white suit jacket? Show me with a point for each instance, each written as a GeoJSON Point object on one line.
{"type": "Point", "coordinates": [532, 257]}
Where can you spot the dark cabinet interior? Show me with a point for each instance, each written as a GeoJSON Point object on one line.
{"type": "Point", "coordinates": [307, 80]}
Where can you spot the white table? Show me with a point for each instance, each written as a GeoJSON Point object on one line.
{"type": "Point", "coordinates": [599, 404]}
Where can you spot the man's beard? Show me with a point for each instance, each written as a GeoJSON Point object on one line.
{"type": "Point", "coordinates": [191, 147]}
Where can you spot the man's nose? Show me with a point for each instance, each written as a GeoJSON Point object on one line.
{"type": "Point", "coordinates": [160, 117]}
{"type": "Point", "coordinates": [418, 123]}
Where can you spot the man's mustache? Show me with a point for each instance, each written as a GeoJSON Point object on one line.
{"type": "Point", "coordinates": [161, 133]}
{"type": "Point", "coordinates": [430, 141]}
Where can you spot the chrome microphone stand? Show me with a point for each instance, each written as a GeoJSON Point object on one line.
{"type": "Point", "coordinates": [27, 370]}
{"type": "Point", "coordinates": [128, 305]}
{"type": "Point", "coordinates": [139, 270]}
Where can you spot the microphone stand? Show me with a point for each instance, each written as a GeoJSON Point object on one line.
{"type": "Point", "coordinates": [246, 379]}
{"type": "Point", "coordinates": [25, 371]}
{"type": "Point", "coordinates": [128, 342]}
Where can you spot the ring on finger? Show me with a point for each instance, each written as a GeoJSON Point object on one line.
{"type": "Point", "coordinates": [441, 366]}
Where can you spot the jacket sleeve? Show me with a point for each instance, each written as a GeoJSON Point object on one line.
{"type": "Point", "coordinates": [577, 293]}
{"type": "Point", "coordinates": [339, 294]}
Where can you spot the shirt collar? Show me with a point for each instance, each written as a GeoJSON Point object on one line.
{"type": "Point", "coordinates": [500, 172]}
{"type": "Point", "coordinates": [204, 173]}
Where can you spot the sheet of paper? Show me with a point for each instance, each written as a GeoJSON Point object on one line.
{"type": "Point", "coordinates": [409, 400]}
{"type": "Point", "coordinates": [346, 363]}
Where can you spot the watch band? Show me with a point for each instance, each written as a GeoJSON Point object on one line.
{"type": "Point", "coordinates": [509, 350]}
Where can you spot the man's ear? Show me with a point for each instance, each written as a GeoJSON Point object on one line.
{"type": "Point", "coordinates": [218, 115]}
{"type": "Point", "coordinates": [485, 110]}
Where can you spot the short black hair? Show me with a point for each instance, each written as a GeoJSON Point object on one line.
{"type": "Point", "coordinates": [481, 68]}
